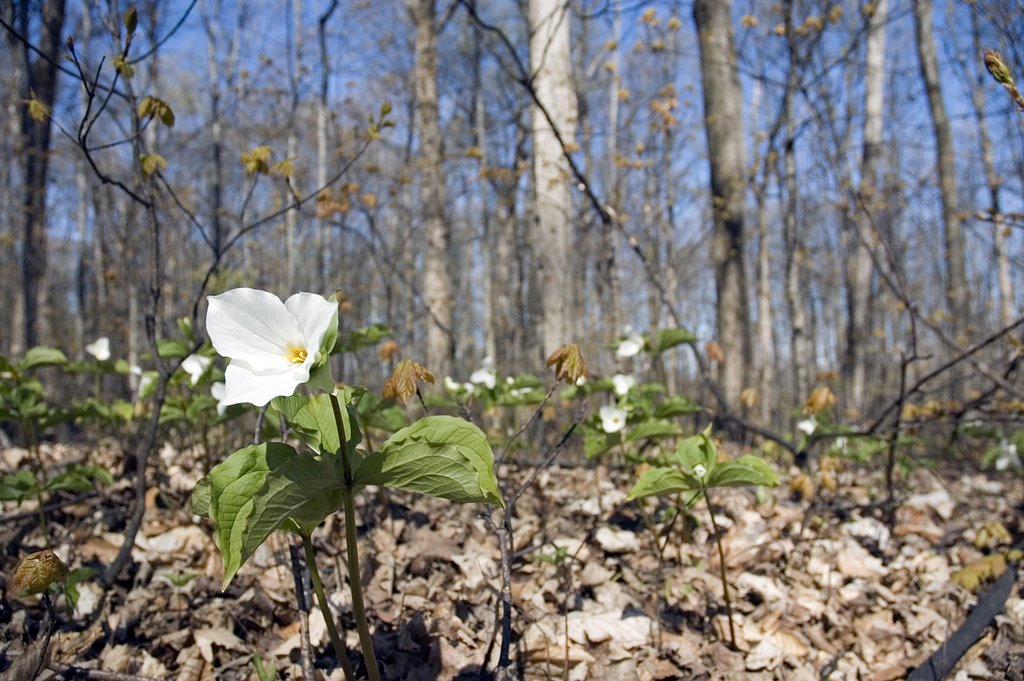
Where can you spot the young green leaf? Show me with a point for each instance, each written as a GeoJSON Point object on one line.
{"type": "Point", "coordinates": [663, 481]}
{"type": "Point", "coordinates": [748, 470]}
{"type": "Point", "coordinates": [669, 338]}
{"type": "Point", "coordinates": [654, 428]}
{"type": "Point", "coordinates": [442, 456]}
{"type": "Point", "coordinates": [260, 488]}
{"type": "Point", "coordinates": [41, 356]}
{"type": "Point", "coordinates": [695, 451]}
{"type": "Point", "coordinates": [312, 419]}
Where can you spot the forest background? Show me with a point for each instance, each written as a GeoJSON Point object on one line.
{"type": "Point", "coordinates": [826, 194]}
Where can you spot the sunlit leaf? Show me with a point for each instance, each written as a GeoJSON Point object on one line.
{"type": "Point", "coordinates": [442, 456]}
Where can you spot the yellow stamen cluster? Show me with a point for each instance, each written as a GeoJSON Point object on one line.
{"type": "Point", "coordinates": [295, 354]}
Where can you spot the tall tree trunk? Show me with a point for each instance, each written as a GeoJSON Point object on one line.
{"type": "Point", "coordinates": [551, 67]}
{"type": "Point", "coordinates": [994, 182]}
{"type": "Point", "coordinates": [797, 300]}
{"type": "Point", "coordinates": [723, 122]}
{"type": "Point", "coordinates": [327, 282]}
{"type": "Point", "coordinates": [41, 85]}
{"type": "Point", "coordinates": [609, 286]}
{"type": "Point", "coordinates": [956, 269]}
{"type": "Point", "coordinates": [437, 280]}
{"type": "Point", "coordinates": [860, 268]}
{"type": "Point", "coordinates": [291, 219]}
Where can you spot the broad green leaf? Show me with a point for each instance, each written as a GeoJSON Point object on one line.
{"type": "Point", "coordinates": [442, 456]}
{"type": "Point", "coordinates": [676, 405]}
{"type": "Point", "coordinates": [172, 347]}
{"type": "Point", "coordinates": [697, 450]}
{"type": "Point", "coordinates": [744, 471]}
{"type": "Point", "coordinates": [41, 356]}
{"type": "Point", "coordinates": [260, 487]}
{"type": "Point", "coordinates": [653, 428]}
{"type": "Point", "coordinates": [201, 498]}
{"type": "Point", "coordinates": [663, 482]}
{"type": "Point", "coordinates": [365, 337]}
{"type": "Point", "coordinates": [669, 338]}
{"type": "Point", "coordinates": [312, 419]}
{"type": "Point", "coordinates": [597, 442]}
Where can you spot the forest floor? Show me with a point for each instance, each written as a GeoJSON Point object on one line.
{"type": "Point", "coordinates": [821, 587]}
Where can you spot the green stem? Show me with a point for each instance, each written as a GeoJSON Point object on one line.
{"type": "Point", "coordinates": [352, 551]}
{"type": "Point", "coordinates": [321, 598]}
{"type": "Point", "coordinates": [352, 547]}
{"type": "Point", "coordinates": [721, 565]}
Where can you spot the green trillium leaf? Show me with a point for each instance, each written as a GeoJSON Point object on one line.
{"type": "Point", "coordinates": [442, 456]}
{"type": "Point", "coordinates": [653, 428]}
{"type": "Point", "coordinates": [663, 482]}
{"type": "Point", "coordinates": [41, 356]}
{"type": "Point", "coordinates": [745, 471]}
{"type": "Point", "coordinates": [669, 338]}
{"type": "Point", "coordinates": [261, 488]}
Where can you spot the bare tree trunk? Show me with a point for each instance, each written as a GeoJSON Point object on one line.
{"type": "Point", "coordinates": [216, 127]}
{"type": "Point", "coordinates": [437, 280]}
{"type": "Point", "coordinates": [956, 269]}
{"type": "Point", "coordinates": [41, 85]}
{"type": "Point", "coordinates": [291, 218]}
{"type": "Point", "coordinates": [860, 268]}
{"type": "Point", "coordinates": [551, 67]}
{"type": "Point", "coordinates": [723, 121]}
{"type": "Point", "coordinates": [609, 283]}
{"type": "Point", "coordinates": [327, 283]}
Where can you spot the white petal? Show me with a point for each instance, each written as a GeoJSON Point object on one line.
{"type": "Point", "coordinates": [313, 315]}
{"type": "Point", "coordinates": [195, 366]}
{"type": "Point", "coordinates": [99, 349]}
{"type": "Point", "coordinates": [250, 324]}
{"type": "Point", "coordinates": [243, 386]}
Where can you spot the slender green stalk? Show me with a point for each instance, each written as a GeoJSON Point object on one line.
{"type": "Point", "coordinates": [352, 551]}
{"type": "Point", "coordinates": [321, 598]}
{"type": "Point", "coordinates": [352, 548]}
{"type": "Point", "coordinates": [721, 565]}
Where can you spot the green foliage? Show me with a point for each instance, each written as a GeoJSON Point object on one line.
{"type": "Point", "coordinates": [696, 469]}
{"type": "Point", "coordinates": [363, 337]}
{"type": "Point", "coordinates": [665, 339]}
{"type": "Point", "coordinates": [442, 456]}
{"type": "Point", "coordinates": [271, 486]}
{"type": "Point", "coordinates": [77, 478]}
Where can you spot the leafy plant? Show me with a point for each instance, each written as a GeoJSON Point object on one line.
{"type": "Point", "coordinates": [692, 471]}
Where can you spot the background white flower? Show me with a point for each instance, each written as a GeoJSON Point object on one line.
{"type": "Point", "coordinates": [623, 383]}
{"type": "Point", "coordinates": [100, 349]}
{"type": "Point", "coordinates": [807, 426]}
{"type": "Point", "coordinates": [632, 345]}
{"type": "Point", "coordinates": [273, 346]}
{"type": "Point", "coordinates": [219, 390]}
{"type": "Point", "coordinates": [195, 366]}
{"type": "Point", "coordinates": [484, 376]}
{"type": "Point", "coordinates": [613, 419]}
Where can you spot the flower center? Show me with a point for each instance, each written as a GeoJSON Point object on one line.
{"type": "Point", "coordinates": [295, 354]}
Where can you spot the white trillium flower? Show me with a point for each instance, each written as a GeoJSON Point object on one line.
{"type": "Point", "coordinates": [145, 381]}
{"type": "Point", "coordinates": [807, 426]}
{"type": "Point", "coordinates": [195, 366]}
{"type": "Point", "coordinates": [613, 419]}
{"type": "Point", "coordinates": [484, 376]}
{"type": "Point", "coordinates": [451, 385]}
{"type": "Point", "coordinates": [631, 346]}
{"type": "Point", "coordinates": [274, 347]}
{"type": "Point", "coordinates": [219, 390]}
{"type": "Point", "coordinates": [1008, 457]}
{"type": "Point", "coordinates": [623, 383]}
{"type": "Point", "coordinates": [100, 349]}
{"type": "Point", "coordinates": [699, 471]}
